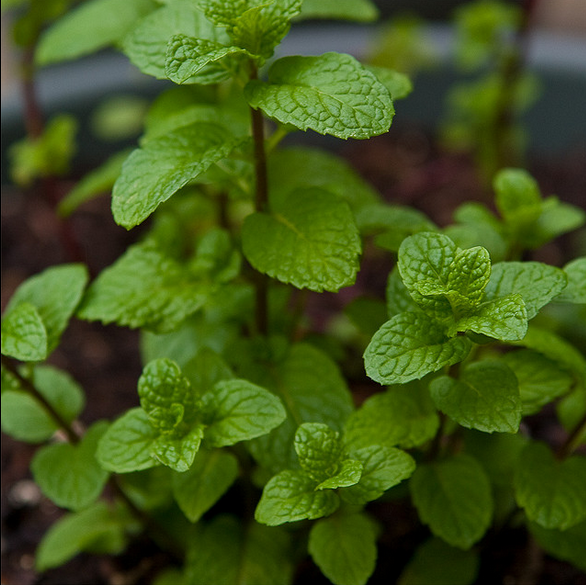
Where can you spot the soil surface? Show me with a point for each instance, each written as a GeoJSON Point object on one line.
{"type": "Point", "coordinates": [406, 168]}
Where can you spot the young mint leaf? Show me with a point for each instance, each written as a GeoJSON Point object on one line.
{"type": "Point", "coordinates": [309, 240]}
{"type": "Point", "coordinates": [330, 94]}
{"type": "Point", "coordinates": [468, 277]}
{"type": "Point", "coordinates": [575, 291]}
{"type": "Point", "coordinates": [518, 197]}
{"type": "Point", "coordinates": [343, 546]}
{"type": "Point", "coordinates": [453, 497]}
{"type": "Point", "coordinates": [96, 182]}
{"type": "Point", "coordinates": [355, 10]}
{"type": "Point", "coordinates": [551, 491]}
{"type": "Point", "coordinates": [236, 410]}
{"type": "Point", "coordinates": [537, 283]}
{"type": "Point", "coordinates": [75, 533]}
{"type": "Point", "coordinates": [255, 25]}
{"type": "Point", "coordinates": [186, 56]}
{"type": "Point", "coordinates": [503, 318]}
{"type": "Point", "coordinates": [557, 218]}
{"type": "Point", "coordinates": [567, 545]}
{"type": "Point", "coordinates": [92, 26]}
{"type": "Point", "coordinates": [25, 419]}
{"type": "Point", "coordinates": [295, 167]}
{"type": "Point", "coordinates": [403, 415]}
{"type": "Point", "coordinates": [178, 452]}
{"type": "Point", "coordinates": [541, 380]}
{"type": "Point", "coordinates": [312, 389]}
{"type": "Point", "coordinates": [126, 446]}
{"type": "Point", "coordinates": [166, 395]}
{"type": "Point", "coordinates": [485, 397]}
{"type": "Point", "coordinates": [251, 554]}
{"type": "Point", "coordinates": [437, 563]}
{"type": "Point", "coordinates": [55, 293]}
{"type": "Point", "coordinates": [144, 288]}
{"type": "Point", "coordinates": [200, 487]}
{"type": "Point", "coordinates": [409, 346]}
{"type": "Point", "coordinates": [152, 174]}
{"type": "Point", "coordinates": [382, 468]}
{"type": "Point", "coordinates": [348, 473]}
{"type": "Point", "coordinates": [69, 474]}
{"type": "Point", "coordinates": [319, 449]}
{"type": "Point", "coordinates": [146, 44]}
{"type": "Point", "coordinates": [24, 336]}
{"type": "Point", "coordinates": [290, 496]}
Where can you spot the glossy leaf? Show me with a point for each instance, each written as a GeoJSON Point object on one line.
{"type": "Point", "coordinates": [178, 452]}
{"type": "Point", "coordinates": [330, 94]}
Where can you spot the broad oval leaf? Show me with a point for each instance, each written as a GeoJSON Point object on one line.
{"type": "Point", "coordinates": [152, 174]}
{"type": "Point", "coordinates": [331, 94]}
{"type": "Point", "coordinates": [409, 346]}
{"type": "Point", "coordinates": [24, 336]}
{"type": "Point", "coordinates": [309, 240]}
{"type": "Point", "coordinates": [453, 497]}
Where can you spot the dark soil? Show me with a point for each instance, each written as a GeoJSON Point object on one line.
{"type": "Point", "coordinates": [407, 169]}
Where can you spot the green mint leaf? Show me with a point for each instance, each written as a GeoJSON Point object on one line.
{"type": "Point", "coordinates": [409, 346]}
{"type": "Point", "coordinates": [309, 240]}
{"type": "Point", "coordinates": [503, 318]}
{"type": "Point", "coordinates": [453, 497]}
{"type": "Point", "coordinates": [485, 397]}
{"type": "Point", "coordinates": [382, 468]}
{"type": "Point", "coordinates": [69, 474]}
{"type": "Point", "coordinates": [146, 43]}
{"type": "Point", "coordinates": [330, 94]}
{"type": "Point", "coordinates": [255, 25]}
{"type": "Point", "coordinates": [296, 167]}
{"type": "Point", "coordinates": [397, 83]}
{"type": "Point", "coordinates": [187, 56]}
{"type": "Point", "coordinates": [556, 348]}
{"type": "Point", "coordinates": [312, 389]}
{"type": "Point", "coordinates": [152, 174]}
{"type": "Point", "coordinates": [290, 496]}
{"type": "Point", "coordinates": [24, 336]}
{"type": "Point", "coordinates": [541, 380]}
{"type": "Point", "coordinates": [567, 545]}
{"type": "Point", "coordinates": [404, 415]}
{"type": "Point", "coordinates": [575, 291]}
{"type": "Point", "coordinates": [551, 491]}
{"type": "Point", "coordinates": [166, 395]}
{"type": "Point", "coordinates": [391, 224]}
{"type": "Point", "coordinates": [319, 449]}
{"type": "Point", "coordinates": [468, 277]}
{"type": "Point", "coordinates": [26, 420]}
{"type": "Point", "coordinates": [537, 283]}
{"type": "Point", "coordinates": [79, 532]}
{"type": "Point", "coordinates": [355, 10]}
{"type": "Point", "coordinates": [205, 370]}
{"type": "Point", "coordinates": [518, 198]}
{"type": "Point", "coordinates": [398, 298]}
{"type": "Point", "coordinates": [216, 258]}
{"type": "Point", "coordinates": [126, 445]}
{"type": "Point", "coordinates": [437, 563]}
{"type": "Point", "coordinates": [150, 489]}
{"type": "Point", "coordinates": [55, 293]}
{"type": "Point", "coordinates": [96, 182]}
{"type": "Point", "coordinates": [90, 27]}
{"type": "Point", "coordinates": [343, 546]}
{"type": "Point", "coordinates": [144, 288]}
{"type": "Point", "coordinates": [348, 473]}
{"type": "Point", "coordinates": [199, 488]}
{"type": "Point", "coordinates": [178, 453]}
{"type": "Point", "coordinates": [236, 410]}
{"type": "Point", "coordinates": [251, 554]}
{"type": "Point", "coordinates": [557, 218]}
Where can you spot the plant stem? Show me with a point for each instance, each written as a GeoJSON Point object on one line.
{"type": "Point", "coordinates": [261, 205]}
{"type": "Point", "coordinates": [572, 440]}
{"type": "Point", "coordinates": [27, 385]}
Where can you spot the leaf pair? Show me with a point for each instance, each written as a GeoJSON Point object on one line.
{"type": "Point", "coordinates": [173, 420]}
{"type": "Point", "coordinates": [358, 476]}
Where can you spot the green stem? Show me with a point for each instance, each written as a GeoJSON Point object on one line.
{"type": "Point", "coordinates": [261, 205]}
{"type": "Point", "coordinates": [29, 387]}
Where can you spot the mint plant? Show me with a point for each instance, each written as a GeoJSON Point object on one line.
{"type": "Point", "coordinates": [247, 450]}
